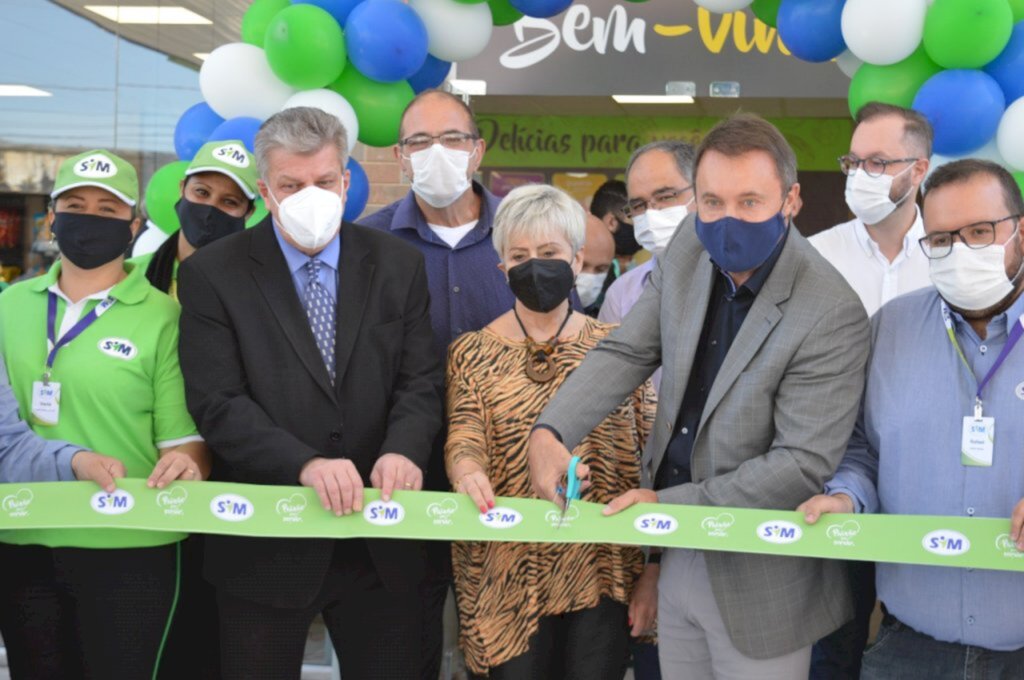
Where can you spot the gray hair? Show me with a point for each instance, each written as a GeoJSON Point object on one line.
{"type": "Point", "coordinates": [537, 210]}
{"type": "Point", "coordinates": [301, 130]}
{"type": "Point", "coordinates": [682, 152]}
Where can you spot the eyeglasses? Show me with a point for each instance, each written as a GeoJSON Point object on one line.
{"type": "Point", "coordinates": [639, 206]}
{"type": "Point", "coordinates": [450, 140]}
{"type": "Point", "coordinates": [875, 167]}
{"type": "Point", "coordinates": [978, 235]}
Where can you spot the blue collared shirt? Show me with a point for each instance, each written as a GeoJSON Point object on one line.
{"type": "Point", "coordinates": [297, 260]}
{"type": "Point", "coordinates": [467, 290]}
{"type": "Point", "coordinates": [904, 458]}
{"type": "Point", "coordinates": [24, 455]}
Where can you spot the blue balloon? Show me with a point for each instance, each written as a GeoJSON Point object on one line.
{"type": "Point", "coordinates": [1008, 67]}
{"type": "Point", "coordinates": [812, 29]}
{"type": "Point", "coordinates": [964, 107]}
{"type": "Point", "coordinates": [432, 74]}
{"type": "Point", "coordinates": [358, 191]}
{"type": "Point", "coordinates": [193, 129]}
{"type": "Point", "coordinates": [541, 8]}
{"type": "Point", "coordinates": [242, 128]}
{"type": "Point", "coordinates": [386, 40]}
{"type": "Point", "coordinates": [339, 9]}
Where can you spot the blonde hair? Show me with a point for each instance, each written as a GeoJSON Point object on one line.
{"type": "Point", "coordinates": [537, 210]}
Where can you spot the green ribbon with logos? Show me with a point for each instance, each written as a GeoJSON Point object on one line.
{"type": "Point", "coordinates": [295, 512]}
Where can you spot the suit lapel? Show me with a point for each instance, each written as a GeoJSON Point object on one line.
{"type": "Point", "coordinates": [764, 315]}
{"type": "Point", "coordinates": [274, 282]}
{"type": "Point", "coordinates": [355, 275]}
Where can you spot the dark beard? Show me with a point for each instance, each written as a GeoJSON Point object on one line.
{"type": "Point", "coordinates": [1017, 280]}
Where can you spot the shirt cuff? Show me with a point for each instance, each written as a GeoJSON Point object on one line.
{"type": "Point", "coordinates": [171, 443]}
{"type": "Point", "coordinates": [542, 426]}
{"type": "Point", "coordinates": [65, 473]}
{"type": "Point", "coordinates": [858, 503]}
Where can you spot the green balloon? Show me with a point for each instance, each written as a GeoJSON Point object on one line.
{"type": "Point", "coordinates": [162, 192]}
{"type": "Point", "coordinates": [967, 33]}
{"type": "Point", "coordinates": [894, 84]}
{"type": "Point", "coordinates": [1019, 176]}
{"type": "Point", "coordinates": [305, 47]}
{"type": "Point", "coordinates": [257, 18]}
{"type": "Point", "coordinates": [378, 106]}
{"type": "Point", "coordinates": [1018, 10]}
{"type": "Point", "coordinates": [766, 10]}
{"type": "Point", "coordinates": [258, 213]}
{"type": "Point", "coordinates": [503, 13]}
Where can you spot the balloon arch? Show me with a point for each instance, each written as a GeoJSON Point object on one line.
{"type": "Point", "coordinates": [959, 62]}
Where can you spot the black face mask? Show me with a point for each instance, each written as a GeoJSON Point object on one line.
{"type": "Point", "coordinates": [625, 241]}
{"type": "Point", "coordinates": [90, 241]}
{"type": "Point", "coordinates": [203, 224]}
{"type": "Point", "coordinates": [541, 285]}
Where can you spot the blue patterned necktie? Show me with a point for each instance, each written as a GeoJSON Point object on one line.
{"type": "Point", "coordinates": [320, 311]}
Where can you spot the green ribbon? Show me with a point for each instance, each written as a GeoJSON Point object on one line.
{"type": "Point", "coordinates": [295, 512]}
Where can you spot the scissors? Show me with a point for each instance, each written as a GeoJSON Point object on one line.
{"type": "Point", "coordinates": [572, 488]}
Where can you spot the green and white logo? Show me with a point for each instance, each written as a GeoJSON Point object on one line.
{"type": "Point", "coordinates": [116, 503]}
{"type": "Point", "coordinates": [290, 509]}
{"type": "Point", "coordinates": [96, 166]}
{"type": "Point", "coordinates": [232, 154]}
{"type": "Point", "coordinates": [16, 504]}
{"type": "Point", "coordinates": [119, 348]}
{"type": "Point", "coordinates": [779, 532]}
{"type": "Point", "coordinates": [718, 525]}
{"type": "Point", "coordinates": [172, 500]}
{"type": "Point", "coordinates": [555, 519]}
{"type": "Point", "coordinates": [440, 513]}
{"type": "Point", "coordinates": [656, 524]}
{"type": "Point", "coordinates": [231, 507]}
{"type": "Point", "coordinates": [384, 514]}
{"type": "Point", "coordinates": [1005, 545]}
{"type": "Point", "coordinates": [843, 534]}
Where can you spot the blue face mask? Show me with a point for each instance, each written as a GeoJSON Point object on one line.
{"type": "Point", "coordinates": [736, 245]}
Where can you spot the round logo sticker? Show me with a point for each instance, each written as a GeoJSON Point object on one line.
{"type": "Point", "coordinates": [501, 518]}
{"type": "Point", "coordinates": [384, 514]}
{"type": "Point", "coordinates": [655, 524]}
{"type": "Point", "coordinates": [946, 542]}
{"type": "Point", "coordinates": [96, 166]}
{"type": "Point", "coordinates": [116, 503]}
{"type": "Point", "coordinates": [232, 507]}
{"type": "Point", "coordinates": [779, 532]}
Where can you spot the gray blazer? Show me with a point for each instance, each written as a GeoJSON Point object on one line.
{"type": "Point", "coordinates": [774, 428]}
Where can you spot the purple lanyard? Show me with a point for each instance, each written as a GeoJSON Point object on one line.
{"type": "Point", "coordinates": [76, 330]}
{"type": "Point", "coordinates": [1014, 336]}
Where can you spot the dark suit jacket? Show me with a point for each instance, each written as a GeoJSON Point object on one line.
{"type": "Point", "coordinates": [261, 397]}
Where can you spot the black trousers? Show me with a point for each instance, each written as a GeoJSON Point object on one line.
{"type": "Point", "coordinates": [376, 633]}
{"type": "Point", "coordinates": [837, 656]}
{"type": "Point", "coordinates": [86, 613]}
{"type": "Point", "coordinates": [192, 651]}
{"type": "Point", "coordinates": [590, 644]}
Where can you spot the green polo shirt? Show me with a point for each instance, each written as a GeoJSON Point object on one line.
{"type": "Point", "coordinates": [122, 393]}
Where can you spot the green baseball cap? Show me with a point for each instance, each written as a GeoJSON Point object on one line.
{"type": "Point", "coordinates": [228, 157]}
{"type": "Point", "coordinates": [98, 168]}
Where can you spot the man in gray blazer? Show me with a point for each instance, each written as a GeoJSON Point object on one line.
{"type": "Point", "coordinates": [763, 346]}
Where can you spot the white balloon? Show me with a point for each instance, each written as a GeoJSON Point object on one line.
{"type": "Point", "coordinates": [883, 32]}
{"type": "Point", "coordinates": [236, 80]}
{"type": "Point", "coordinates": [849, 63]}
{"type": "Point", "coordinates": [334, 104]}
{"type": "Point", "coordinates": [724, 5]}
{"type": "Point", "coordinates": [151, 239]}
{"type": "Point", "coordinates": [1010, 137]}
{"type": "Point", "coordinates": [455, 31]}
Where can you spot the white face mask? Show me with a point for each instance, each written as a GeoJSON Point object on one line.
{"type": "Point", "coordinates": [655, 228]}
{"type": "Point", "coordinates": [440, 175]}
{"type": "Point", "coordinates": [311, 217]}
{"type": "Point", "coordinates": [868, 197]}
{"type": "Point", "coordinates": [971, 279]}
{"type": "Point", "coordinates": [588, 287]}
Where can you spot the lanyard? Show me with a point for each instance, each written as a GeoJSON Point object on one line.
{"type": "Point", "coordinates": [52, 343]}
{"type": "Point", "coordinates": [1014, 336]}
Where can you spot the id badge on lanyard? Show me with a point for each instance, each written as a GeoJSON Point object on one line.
{"type": "Point", "coordinates": [978, 434]}
{"type": "Point", "coordinates": [46, 392]}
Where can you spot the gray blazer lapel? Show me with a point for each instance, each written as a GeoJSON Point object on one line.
{"type": "Point", "coordinates": [688, 318]}
{"type": "Point", "coordinates": [763, 317]}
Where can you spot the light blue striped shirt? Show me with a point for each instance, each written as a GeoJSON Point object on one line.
{"type": "Point", "coordinates": [296, 260]}
{"type": "Point", "coordinates": [904, 458]}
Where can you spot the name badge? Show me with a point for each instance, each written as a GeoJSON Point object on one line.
{"type": "Point", "coordinates": [45, 402]}
{"type": "Point", "coordinates": [978, 440]}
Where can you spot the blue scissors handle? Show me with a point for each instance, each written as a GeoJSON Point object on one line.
{"type": "Point", "coordinates": [572, 491]}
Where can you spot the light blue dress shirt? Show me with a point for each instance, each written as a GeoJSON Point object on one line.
{"type": "Point", "coordinates": [297, 260]}
{"type": "Point", "coordinates": [24, 455]}
{"type": "Point", "coordinates": [904, 458]}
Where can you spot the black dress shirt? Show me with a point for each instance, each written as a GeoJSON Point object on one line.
{"type": "Point", "coordinates": [727, 310]}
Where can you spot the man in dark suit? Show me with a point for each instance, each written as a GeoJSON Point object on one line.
{"type": "Point", "coordinates": [308, 359]}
